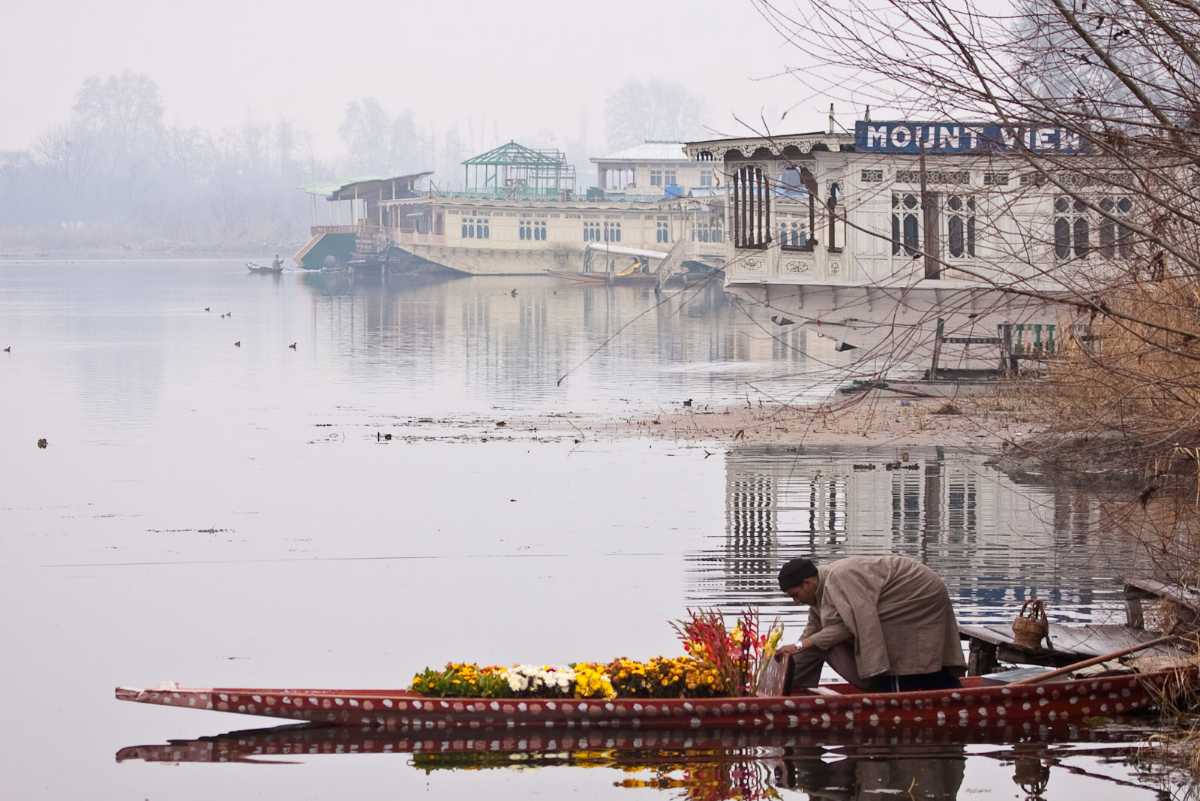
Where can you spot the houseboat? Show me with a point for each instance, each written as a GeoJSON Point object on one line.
{"type": "Point", "coordinates": [912, 239]}
{"type": "Point", "coordinates": [655, 213]}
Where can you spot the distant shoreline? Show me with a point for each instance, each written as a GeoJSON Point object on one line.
{"type": "Point", "coordinates": [139, 254]}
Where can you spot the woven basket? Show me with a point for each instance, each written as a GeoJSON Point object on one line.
{"type": "Point", "coordinates": [1030, 627]}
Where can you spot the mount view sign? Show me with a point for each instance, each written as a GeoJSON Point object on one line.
{"type": "Point", "coordinates": [952, 138]}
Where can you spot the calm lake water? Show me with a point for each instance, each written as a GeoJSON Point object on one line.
{"type": "Point", "coordinates": [230, 516]}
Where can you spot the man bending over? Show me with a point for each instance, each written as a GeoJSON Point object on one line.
{"type": "Point", "coordinates": [884, 623]}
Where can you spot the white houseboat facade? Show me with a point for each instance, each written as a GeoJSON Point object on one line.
{"type": "Point", "coordinates": [873, 245]}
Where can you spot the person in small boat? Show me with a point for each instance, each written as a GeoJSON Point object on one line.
{"type": "Point", "coordinates": [885, 623]}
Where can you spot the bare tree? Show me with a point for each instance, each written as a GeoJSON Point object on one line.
{"type": "Point", "coordinates": [641, 110]}
{"type": "Point", "coordinates": [115, 173]}
{"type": "Point", "coordinates": [1122, 76]}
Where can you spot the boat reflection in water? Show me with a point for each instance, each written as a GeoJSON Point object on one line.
{"type": "Point", "coordinates": [708, 765]}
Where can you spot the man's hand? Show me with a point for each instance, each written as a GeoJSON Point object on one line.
{"type": "Point", "coordinates": [786, 650]}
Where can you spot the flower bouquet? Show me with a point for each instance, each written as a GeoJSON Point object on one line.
{"type": "Point", "coordinates": [717, 662]}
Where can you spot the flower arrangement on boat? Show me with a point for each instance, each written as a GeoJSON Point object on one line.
{"type": "Point", "coordinates": [717, 662]}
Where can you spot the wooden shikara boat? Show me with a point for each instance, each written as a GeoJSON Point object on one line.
{"type": "Point", "coordinates": [981, 704]}
{"type": "Point", "coordinates": [258, 268]}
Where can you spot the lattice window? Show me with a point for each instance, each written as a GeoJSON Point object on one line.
{"type": "Point", "coordinates": [793, 235]}
{"type": "Point", "coordinates": [871, 176]}
{"type": "Point", "coordinates": [591, 232]}
{"type": "Point", "coordinates": [706, 177]}
{"type": "Point", "coordinates": [656, 178]}
{"type": "Point", "coordinates": [958, 211]}
{"type": "Point", "coordinates": [1072, 228]}
{"type": "Point", "coordinates": [662, 230]}
{"type": "Point", "coordinates": [1075, 224]}
{"type": "Point", "coordinates": [476, 228]}
{"type": "Point", "coordinates": [612, 231]}
{"type": "Point", "coordinates": [1115, 239]}
{"type": "Point", "coordinates": [906, 223]}
{"type": "Point", "coordinates": [797, 186]}
{"type": "Point", "coordinates": [708, 229]}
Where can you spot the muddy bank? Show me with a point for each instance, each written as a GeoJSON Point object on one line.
{"type": "Point", "coordinates": [880, 418]}
{"type": "Point", "coordinates": [986, 420]}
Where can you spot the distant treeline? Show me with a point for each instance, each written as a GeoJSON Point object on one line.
{"type": "Point", "coordinates": [114, 177]}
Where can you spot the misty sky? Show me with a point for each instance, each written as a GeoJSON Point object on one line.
{"type": "Point", "coordinates": [521, 68]}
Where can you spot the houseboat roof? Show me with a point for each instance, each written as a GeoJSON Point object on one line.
{"type": "Point", "coordinates": [345, 189]}
{"type": "Point", "coordinates": [514, 154]}
{"type": "Point", "coordinates": [650, 150]}
{"type": "Point", "coordinates": [775, 144]}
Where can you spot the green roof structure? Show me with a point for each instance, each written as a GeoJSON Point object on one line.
{"type": "Point", "coordinates": [516, 171]}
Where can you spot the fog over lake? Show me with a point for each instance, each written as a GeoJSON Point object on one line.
{"type": "Point", "coordinates": [221, 515]}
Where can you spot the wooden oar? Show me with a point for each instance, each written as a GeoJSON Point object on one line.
{"type": "Point", "coordinates": [1095, 660]}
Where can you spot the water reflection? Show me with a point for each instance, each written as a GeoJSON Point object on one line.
{"type": "Point", "coordinates": [171, 432]}
{"type": "Point", "coordinates": [994, 541]}
{"type": "Point", "coordinates": [517, 336]}
{"type": "Point", "coordinates": [708, 765]}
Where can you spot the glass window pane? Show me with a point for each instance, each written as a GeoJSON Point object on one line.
{"type": "Point", "coordinates": [1062, 237]}
{"type": "Point", "coordinates": [956, 236]}
{"type": "Point", "coordinates": [1081, 237]}
{"type": "Point", "coordinates": [912, 234]}
{"type": "Point", "coordinates": [1108, 235]}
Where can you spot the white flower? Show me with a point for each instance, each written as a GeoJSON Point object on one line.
{"type": "Point", "coordinates": [525, 678]}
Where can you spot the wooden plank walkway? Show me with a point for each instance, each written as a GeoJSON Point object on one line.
{"type": "Point", "coordinates": [994, 643]}
{"type": "Point", "coordinates": [1149, 588]}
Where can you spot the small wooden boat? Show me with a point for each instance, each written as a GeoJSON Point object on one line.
{"type": "Point", "coordinates": [981, 703]}
{"type": "Point", "coordinates": [258, 268]}
{"type": "Point", "coordinates": [620, 279]}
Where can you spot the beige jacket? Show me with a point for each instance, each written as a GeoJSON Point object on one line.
{"type": "Point", "coordinates": [895, 609]}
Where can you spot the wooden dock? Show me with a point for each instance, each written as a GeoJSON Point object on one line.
{"type": "Point", "coordinates": [991, 644]}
